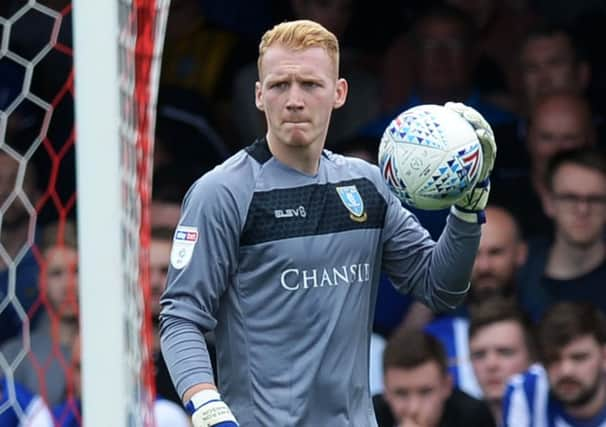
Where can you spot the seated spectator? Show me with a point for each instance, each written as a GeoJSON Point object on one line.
{"type": "Point", "coordinates": [557, 122]}
{"type": "Point", "coordinates": [572, 265]}
{"type": "Point", "coordinates": [22, 405]}
{"type": "Point", "coordinates": [550, 62]}
{"type": "Point", "coordinates": [440, 52]}
{"type": "Point", "coordinates": [419, 390]}
{"type": "Point", "coordinates": [500, 27]}
{"type": "Point", "coordinates": [500, 346]}
{"type": "Point", "coordinates": [571, 389]}
{"type": "Point", "coordinates": [41, 363]}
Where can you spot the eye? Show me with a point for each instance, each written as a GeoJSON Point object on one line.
{"type": "Point", "coordinates": [310, 84]}
{"type": "Point", "coordinates": [478, 355]}
{"type": "Point", "coordinates": [426, 391]}
{"type": "Point", "coordinates": [279, 85]}
{"type": "Point", "coordinates": [507, 352]}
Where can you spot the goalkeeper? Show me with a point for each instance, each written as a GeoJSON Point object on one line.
{"type": "Point", "coordinates": [279, 250]}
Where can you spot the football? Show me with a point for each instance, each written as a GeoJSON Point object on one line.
{"type": "Point", "coordinates": [430, 156]}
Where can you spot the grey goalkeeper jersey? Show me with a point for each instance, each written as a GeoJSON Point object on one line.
{"type": "Point", "coordinates": [284, 267]}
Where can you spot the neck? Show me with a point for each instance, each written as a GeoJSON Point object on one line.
{"type": "Point", "coordinates": [567, 261]}
{"type": "Point", "coordinates": [496, 409]}
{"type": "Point", "coordinates": [305, 159]}
{"type": "Point", "coordinates": [591, 408]}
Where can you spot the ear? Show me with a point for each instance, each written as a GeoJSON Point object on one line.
{"type": "Point", "coordinates": [258, 96]}
{"type": "Point", "coordinates": [340, 93]}
{"type": "Point", "coordinates": [547, 202]}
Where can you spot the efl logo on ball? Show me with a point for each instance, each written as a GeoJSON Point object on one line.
{"type": "Point", "coordinates": [430, 156]}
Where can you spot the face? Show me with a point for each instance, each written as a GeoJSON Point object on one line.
{"type": "Point", "coordinates": [547, 66]}
{"type": "Point", "coordinates": [578, 373]}
{"type": "Point", "coordinates": [417, 395]}
{"type": "Point", "coordinates": [498, 351]}
{"type": "Point", "coordinates": [500, 254]}
{"type": "Point", "coordinates": [159, 254]}
{"type": "Point", "coordinates": [577, 204]}
{"type": "Point", "coordinates": [557, 125]}
{"type": "Point", "coordinates": [62, 280]}
{"type": "Point", "coordinates": [444, 60]}
{"type": "Point", "coordinates": [297, 92]}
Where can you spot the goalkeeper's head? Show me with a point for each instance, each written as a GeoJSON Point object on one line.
{"type": "Point", "coordinates": [299, 35]}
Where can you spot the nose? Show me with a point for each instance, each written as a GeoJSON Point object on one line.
{"type": "Point", "coordinates": [566, 367]}
{"type": "Point", "coordinates": [295, 98]}
{"type": "Point", "coordinates": [482, 262]}
{"type": "Point", "coordinates": [414, 405]}
{"type": "Point", "coordinates": [492, 361]}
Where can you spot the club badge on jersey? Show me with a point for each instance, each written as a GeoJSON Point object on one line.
{"type": "Point", "coordinates": [352, 200]}
{"type": "Point", "coordinates": [184, 241]}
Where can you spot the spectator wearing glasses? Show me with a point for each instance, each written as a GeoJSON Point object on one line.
{"type": "Point", "coordinates": [572, 266]}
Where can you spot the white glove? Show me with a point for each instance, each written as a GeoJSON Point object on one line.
{"type": "Point", "coordinates": [470, 207]}
{"type": "Point", "coordinates": [208, 410]}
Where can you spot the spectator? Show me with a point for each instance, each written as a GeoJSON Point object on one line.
{"type": "Point", "coordinates": [43, 369]}
{"type": "Point", "coordinates": [501, 254]}
{"type": "Point", "coordinates": [572, 266]}
{"type": "Point", "coordinates": [440, 53]}
{"type": "Point", "coordinates": [500, 28]}
{"type": "Point", "coordinates": [419, 390]}
{"type": "Point", "coordinates": [500, 345]}
{"type": "Point", "coordinates": [557, 122]}
{"type": "Point", "coordinates": [550, 62]}
{"type": "Point", "coordinates": [571, 390]}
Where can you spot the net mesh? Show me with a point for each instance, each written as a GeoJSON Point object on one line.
{"type": "Point", "coordinates": [37, 144]}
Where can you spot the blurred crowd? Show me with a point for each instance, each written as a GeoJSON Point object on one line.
{"type": "Point", "coordinates": [534, 68]}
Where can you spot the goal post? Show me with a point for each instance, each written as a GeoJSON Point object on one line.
{"type": "Point", "coordinates": [101, 267]}
{"type": "Point", "coordinates": [117, 50]}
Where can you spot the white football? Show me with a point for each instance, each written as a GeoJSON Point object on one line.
{"type": "Point", "coordinates": [430, 156]}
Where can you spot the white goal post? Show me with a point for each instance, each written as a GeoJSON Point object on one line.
{"type": "Point", "coordinates": [111, 212]}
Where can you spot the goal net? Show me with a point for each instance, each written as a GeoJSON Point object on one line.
{"type": "Point", "coordinates": [77, 115]}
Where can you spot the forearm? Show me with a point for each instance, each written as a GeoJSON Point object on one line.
{"type": "Point", "coordinates": [451, 264]}
{"type": "Point", "coordinates": [186, 355]}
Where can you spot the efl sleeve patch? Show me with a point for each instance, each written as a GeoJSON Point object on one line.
{"type": "Point", "coordinates": [184, 242]}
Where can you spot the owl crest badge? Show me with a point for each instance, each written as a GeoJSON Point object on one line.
{"type": "Point", "coordinates": [352, 200]}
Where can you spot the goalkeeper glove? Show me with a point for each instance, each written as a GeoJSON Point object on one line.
{"type": "Point", "coordinates": [470, 207]}
{"type": "Point", "coordinates": [208, 410]}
